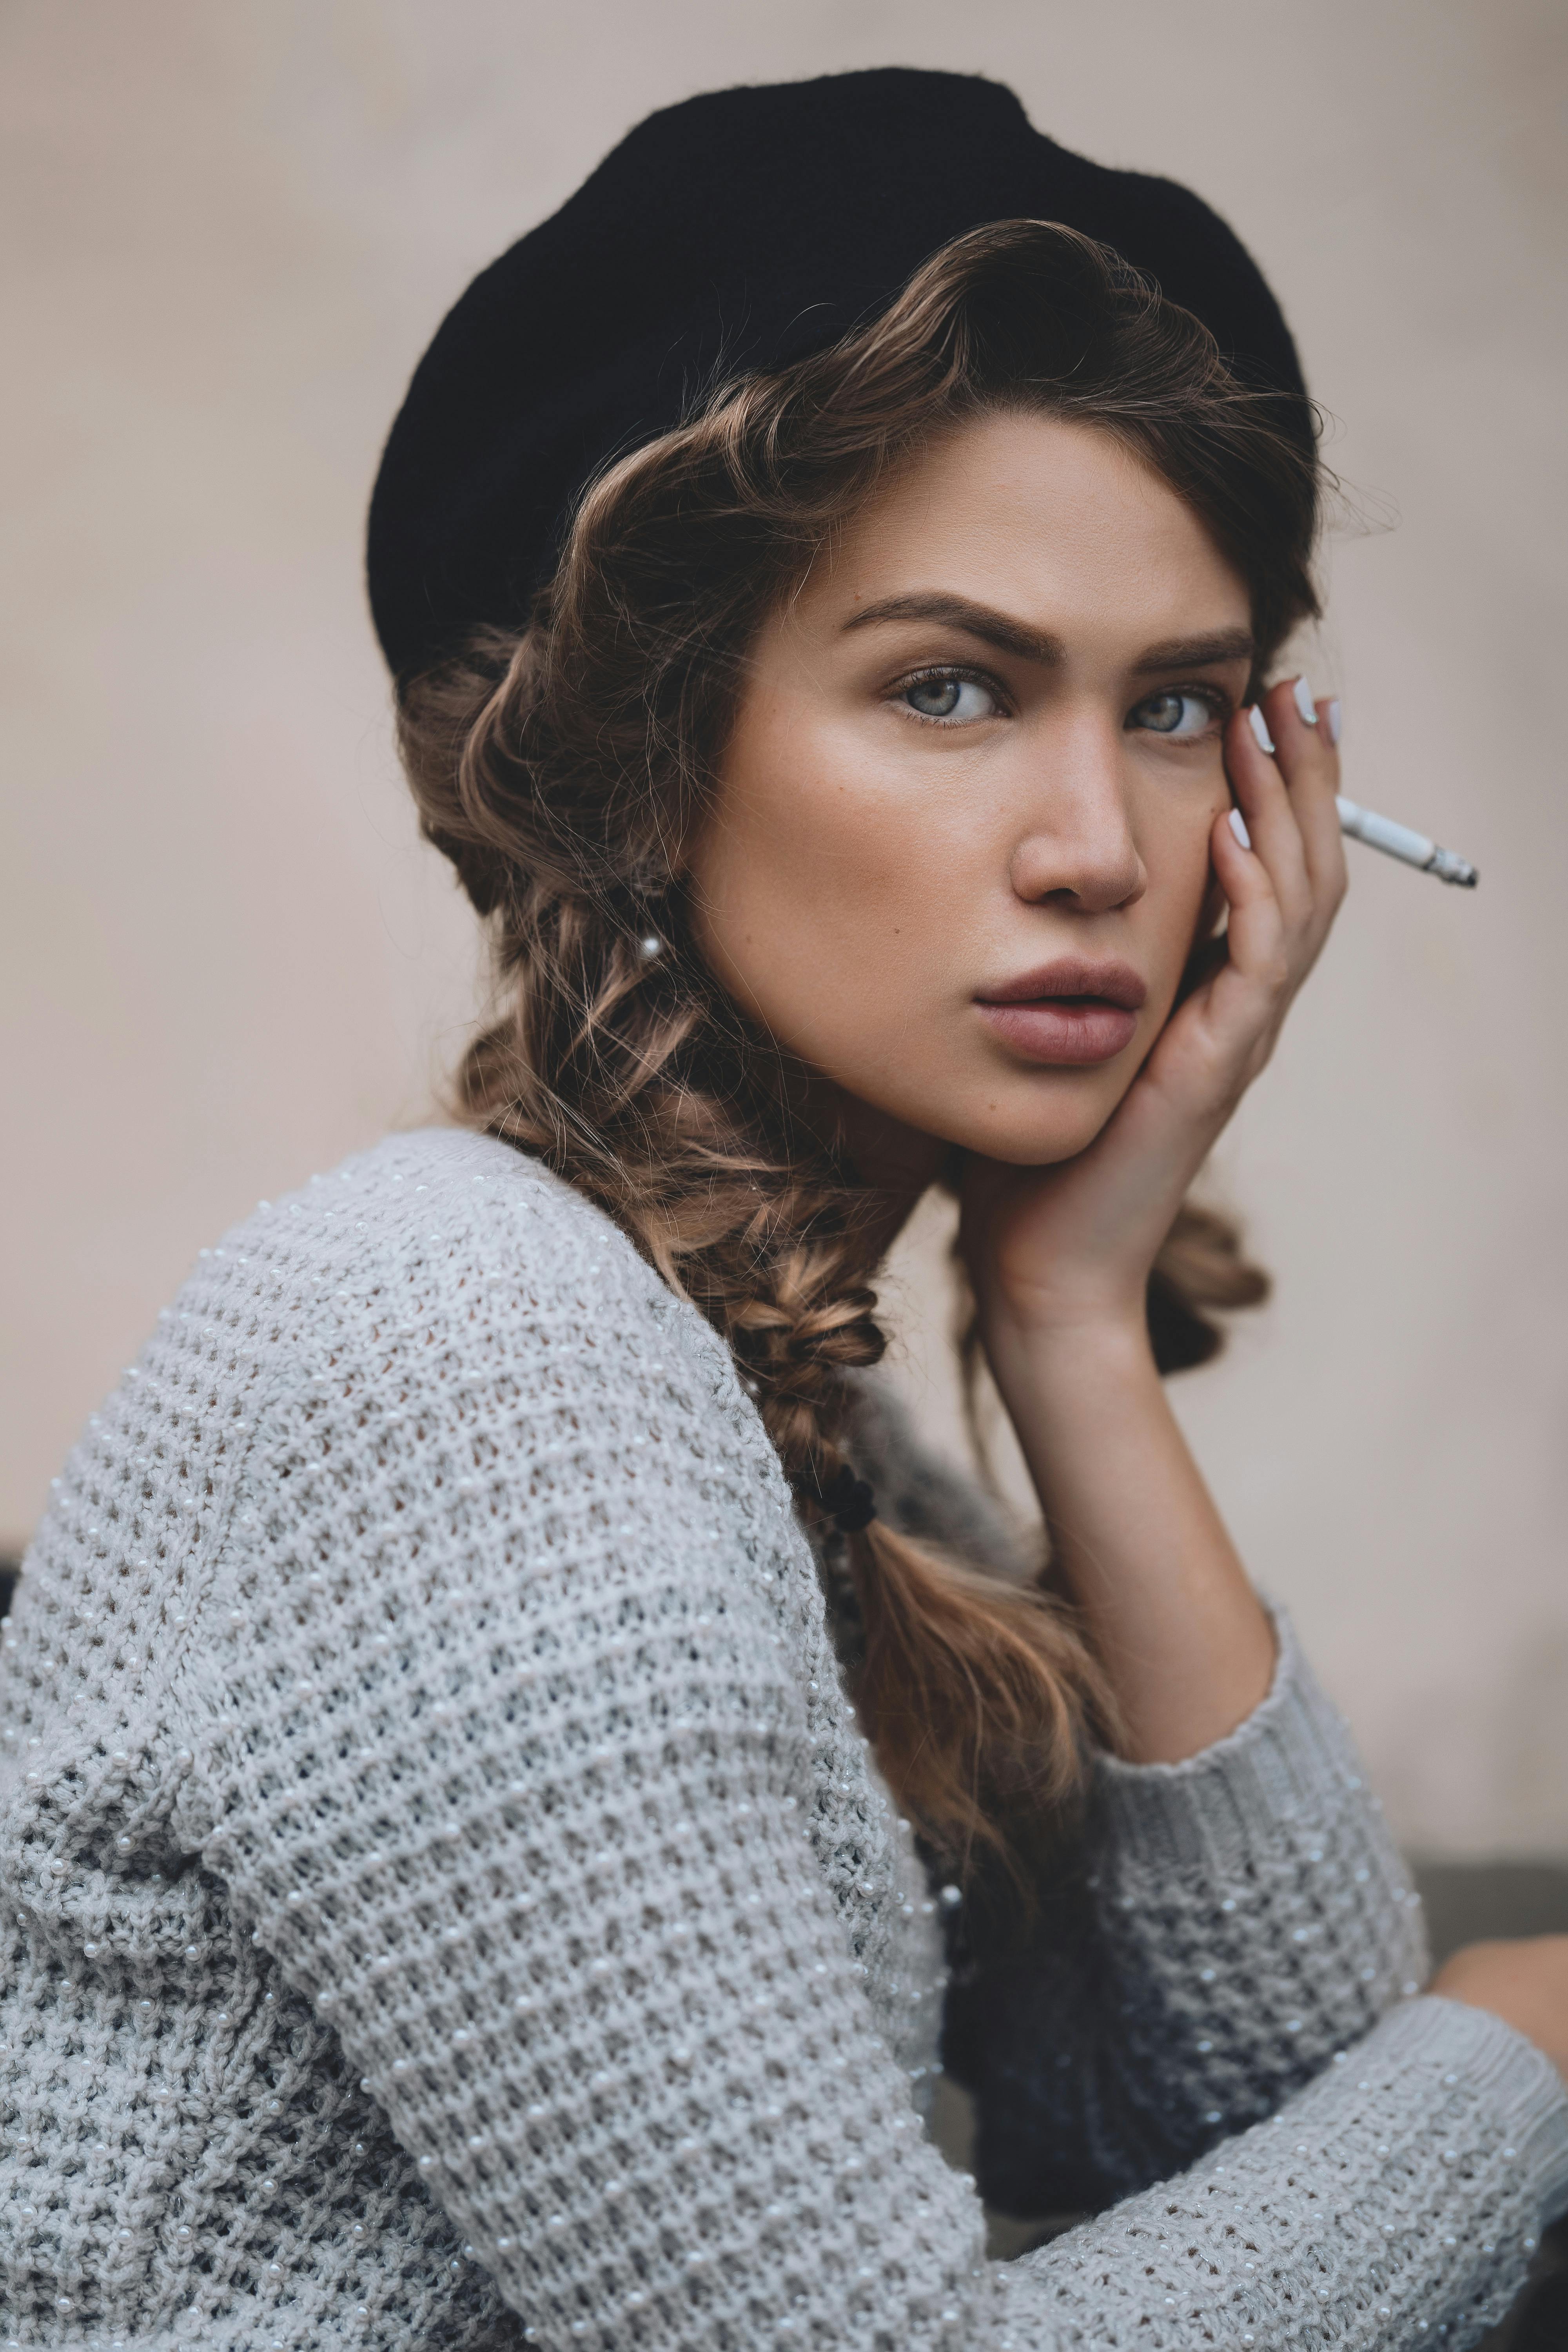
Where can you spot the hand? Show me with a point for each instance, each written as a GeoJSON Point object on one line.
{"type": "Point", "coordinates": [1524, 1982]}
{"type": "Point", "coordinates": [1056, 1248]}
{"type": "Point", "coordinates": [1059, 1258]}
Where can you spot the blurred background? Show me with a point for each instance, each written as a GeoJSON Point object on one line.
{"type": "Point", "coordinates": [229, 232]}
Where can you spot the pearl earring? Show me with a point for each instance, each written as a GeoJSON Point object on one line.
{"type": "Point", "coordinates": [651, 946]}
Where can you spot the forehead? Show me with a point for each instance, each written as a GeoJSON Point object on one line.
{"type": "Point", "coordinates": [1055, 522]}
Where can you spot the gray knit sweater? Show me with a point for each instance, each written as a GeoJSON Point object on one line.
{"type": "Point", "coordinates": [447, 1902]}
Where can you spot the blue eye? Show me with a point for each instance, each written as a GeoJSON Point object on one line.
{"type": "Point", "coordinates": [948, 697]}
{"type": "Point", "coordinates": [1174, 712]}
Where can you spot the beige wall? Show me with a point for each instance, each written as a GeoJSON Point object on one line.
{"type": "Point", "coordinates": [228, 231]}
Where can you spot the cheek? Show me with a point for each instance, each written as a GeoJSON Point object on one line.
{"type": "Point", "coordinates": [809, 879]}
{"type": "Point", "coordinates": [1183, 900]}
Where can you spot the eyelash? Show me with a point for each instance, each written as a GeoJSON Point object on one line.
{"type": "Point", "coordinates": [939, 673]}
{"type": "Point", "coordinates": [1219, 704]}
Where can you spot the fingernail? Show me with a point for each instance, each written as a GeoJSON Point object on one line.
{"type": "Point", "coordinates": [1259, 726]}
{"type": "Point", "coordinates": [1334, 721]}
{"type": "Point", "coordinates": [1239, 826]}
{"type": "Point", "coordinates": [1304, 702]}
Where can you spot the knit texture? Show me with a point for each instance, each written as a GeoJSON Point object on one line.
{"type": "Point", "coordinates": [447, 1902]}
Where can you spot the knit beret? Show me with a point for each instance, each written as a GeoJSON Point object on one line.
{"type": "Point", "coordinates": [740, 230]}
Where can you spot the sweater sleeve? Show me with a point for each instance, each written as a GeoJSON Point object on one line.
{"type": "Point", "coordinates": [1235, 1945]}
{"type": "Point", "coordinates": [1394, 2203]}
{"type": "Point", "coordinates": [1231, 1922]}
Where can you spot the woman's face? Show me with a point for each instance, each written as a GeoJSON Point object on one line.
{"type": "Point", "coordinates": [960, 851]}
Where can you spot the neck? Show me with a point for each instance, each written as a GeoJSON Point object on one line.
{"type": "Point", "coordinates": [897, 1164]}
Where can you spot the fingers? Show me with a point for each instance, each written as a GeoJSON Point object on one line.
{"type": "Point", "coordinates": [1278, 856]}
{"type": "Point", "coordinates": [1274, 836]}
{"type": "Point", "coordinates": [1306, 754]}
{"type": "Point", "coordinates": [1257, 944]}
{"type": "Point", "coordinates": [1284, 771]}
{"type": "Point", "coordinates": [1307, 757]}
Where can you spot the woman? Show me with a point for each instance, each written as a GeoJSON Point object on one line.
{"type": "Point", "coordinates": [504, 1715]}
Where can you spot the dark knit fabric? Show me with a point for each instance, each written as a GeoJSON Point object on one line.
{"type": "Point", "coordinates": [740, 230]}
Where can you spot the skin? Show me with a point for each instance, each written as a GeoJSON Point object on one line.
{"type": "Point", "coordinates": [999, 726]}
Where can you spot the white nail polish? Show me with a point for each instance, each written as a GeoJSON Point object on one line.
{"type": "Point", "coordinates": [1304, 702]}
{"type": "Point", "coordinates": [1239, 826]}
{"type": "Point", "coordinates": [1334, 721]}
{"type": "Point", "coordinates": [1259, 726]}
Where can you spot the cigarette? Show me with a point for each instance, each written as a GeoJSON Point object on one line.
{"type": "Point", "coordinates": [1398, 841]}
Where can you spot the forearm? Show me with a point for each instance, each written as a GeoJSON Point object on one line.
{"type": "Point", "coordinates": [1135, 1535]}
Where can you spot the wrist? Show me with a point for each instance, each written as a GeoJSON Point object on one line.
{"type": "Point", "coordinates": [1034, 1351]}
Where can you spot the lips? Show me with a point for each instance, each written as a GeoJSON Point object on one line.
{"type": "Point", "coordinates": [1069, 1013]}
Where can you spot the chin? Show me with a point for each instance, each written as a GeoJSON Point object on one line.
{"type": "Point", "coordinates": [1036, 1133]}
{"type": "Point", "coordinates": [1019, 1148]}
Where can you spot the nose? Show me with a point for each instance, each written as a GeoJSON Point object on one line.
{"type": "Point", "coordinates": [1076, 850]}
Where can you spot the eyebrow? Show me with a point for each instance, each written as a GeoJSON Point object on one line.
{"type": "Point", "coordinates": [1010, 636]}
{"type": "Point", "coordinates": [1197, 653]}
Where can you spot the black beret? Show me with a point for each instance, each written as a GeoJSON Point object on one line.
{"type": "Point", "coordinates": [741, 229]}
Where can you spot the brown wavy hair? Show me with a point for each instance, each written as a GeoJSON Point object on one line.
{"type": "Point", "coordinates": [564, 767]}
